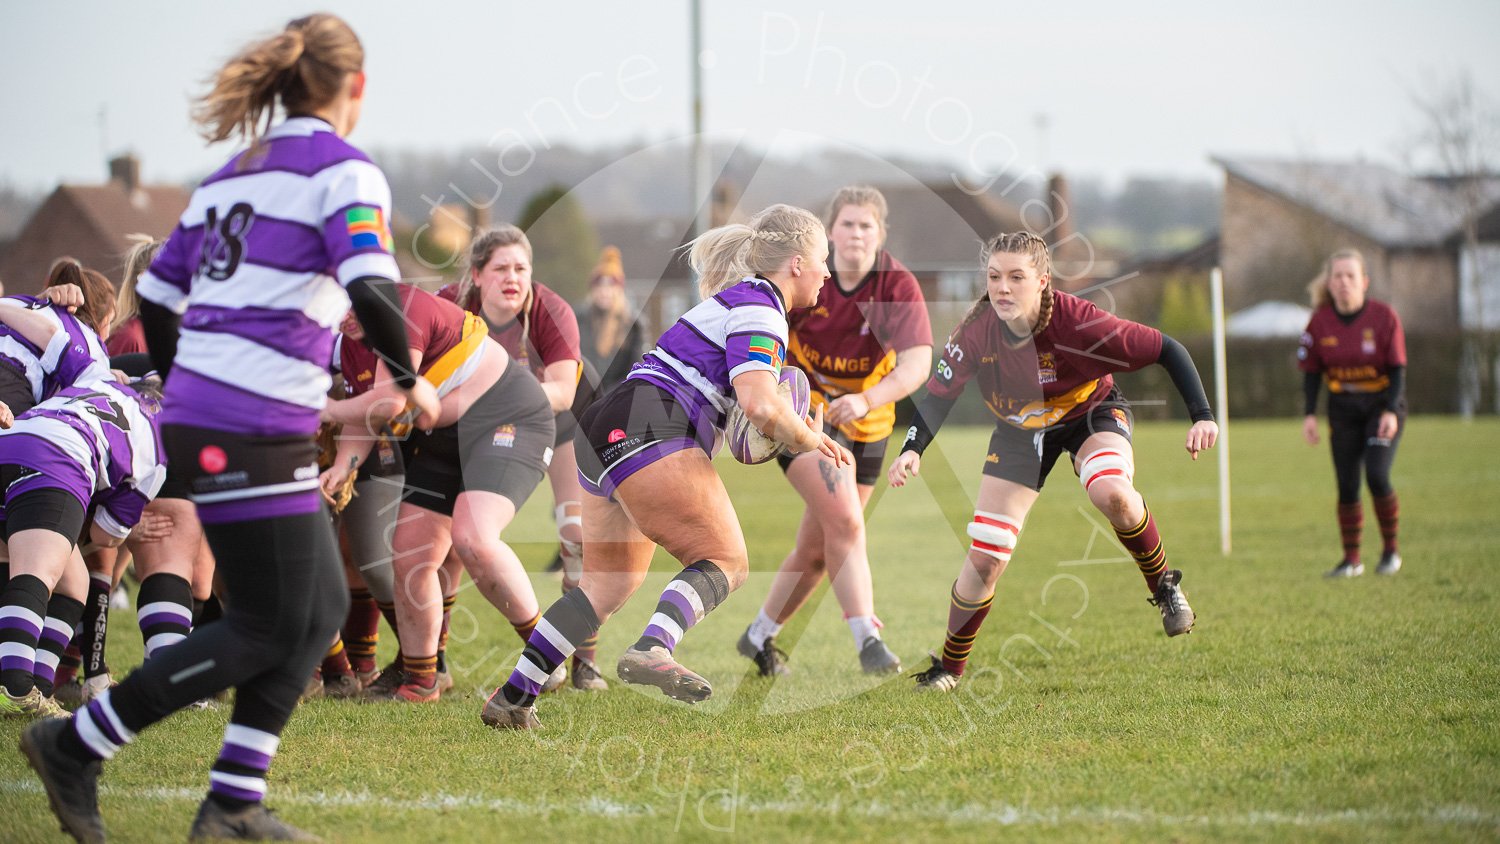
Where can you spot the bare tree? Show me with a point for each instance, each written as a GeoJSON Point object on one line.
{"type": "Point", "coordinates": [1457, 138]}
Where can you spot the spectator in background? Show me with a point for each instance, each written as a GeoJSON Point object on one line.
{"type": "Point", "coordinates": [1357, 346]}
{"type": "Point", "coordinates": [610, 331]}
{"type": "Point", "coordinates": [125, 334]}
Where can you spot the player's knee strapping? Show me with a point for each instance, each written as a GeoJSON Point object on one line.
{"type": "Point", "coordinates": [994, 534]}
{"type": "Point", "coordinates": [1104, 463]}
{"type": "Point", "coordinates": [570, 526]}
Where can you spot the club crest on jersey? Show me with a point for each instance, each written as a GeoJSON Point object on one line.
{"type": "Point", "coordinates": [1120, 419]}
{"type": "Point", "coordinates": [367, 228]}
{"type": "Point", "coordinates": [505, 436]}
{"type": "Point", "coordinates": [1046, 367]}
{"type": "Point", "coordinates": [1367, 342]}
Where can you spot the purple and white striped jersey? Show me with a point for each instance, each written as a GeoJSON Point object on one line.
{"type": "Point", "coordinates": [739, 329]}
{"type": "Point", "coordinates": [75, 355]}
{"type": "Point", "coordinates": [98, 443]}
{"type": "Point", "coordinates": [258, 263]}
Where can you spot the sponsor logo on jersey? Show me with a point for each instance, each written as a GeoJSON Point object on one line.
{"type": "Point", "coordinates": [992, 458]}
{"type": "Point", "coordinates": [1120, 419]}
{"type": "Point", "coordinates": [212, 459]}
{"type": "Point", "coordinates": [1046, 368]}
{"type": "Point", "coordinates": [305, 473]}
{"type": "Point", "coordinates": [1328, 341]}
{"type": "Point", "coordinates": [616, 435]}
{"type": "Point", "coordinates": [505, 436]}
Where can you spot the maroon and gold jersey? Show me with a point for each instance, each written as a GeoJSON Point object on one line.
{"type": "Point", "coordinates": [1056, 376]}
{"type": "Point", "coordinates": [1353, 357]}
{"type": "Point", "coordinates": [433, 327]}
{"type": "Point", "coordinates": [552, 333]}
{"type": "Point", "coordinates": [848, 341]}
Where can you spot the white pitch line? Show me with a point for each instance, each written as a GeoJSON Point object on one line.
{"type": "Point", "coordinates": [974, 813]}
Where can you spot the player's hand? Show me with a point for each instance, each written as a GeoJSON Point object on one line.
{"type": "Point", "coordinates": [6, 417]}
{"type": "Point", "coordinates": [423, 398]}
{"type": "Point", "coordinates": [832, 450]}
{"type": "Point", "coordinates": [1310, 429]}
{"type": "Point", "coordinates": [119, 376]}
{"type": "Point", "coordinates": [814, 422]}
{"type": "Point", "coordinates": [154, 526]}
{"type": "Point", "coordinates": [333, 479]}
{"type": "Point", "coordinates": [1388, 426]}
{"type": "Point", "coordinates": [907, 465]}
{"type": "Point", "coordinates": [1202, 436]}
{"type": "Point", "coordinates": [850, 408]}
{"type": "Point", "coordinates": [68, 296]}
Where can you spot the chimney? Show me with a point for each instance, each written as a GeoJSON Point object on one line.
{"type": "Point", "coordinates": [1059, 205]}
{"type": "Point", "coordinates": [724, 200]}
{"type": "Point", "coordinates": [125, 171]}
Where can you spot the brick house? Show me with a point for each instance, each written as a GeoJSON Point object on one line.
{"type": "Point", "coordinates": [91, 223]}
{"type": "Point", "coordinates": [1282, 218]}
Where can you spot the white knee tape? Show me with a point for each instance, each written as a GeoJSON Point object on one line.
{"type": "Point", "coordinates": [1104, 463]}
{"type": "Point", "coordinates": [994, 534]}
{"type": "Point", "coordinates": [574, 548]}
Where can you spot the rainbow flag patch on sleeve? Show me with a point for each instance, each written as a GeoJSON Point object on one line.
{"type": "Point", "coordinates": [367, 228]}
{"type": "Point", "coordinates": [766, 350]}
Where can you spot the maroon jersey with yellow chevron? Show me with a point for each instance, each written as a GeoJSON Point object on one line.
{"type": "Point", "coordinates": [1354, 355]}
{"type": "Point", "coordinates": [848, 341]}
{"type": "Point", "coordinates": [1056, 376]}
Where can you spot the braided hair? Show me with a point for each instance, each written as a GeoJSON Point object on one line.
{"type": "Point", "coordinates": [724, 255]}
{"type": "Point", "coordinates": [1018, 243]}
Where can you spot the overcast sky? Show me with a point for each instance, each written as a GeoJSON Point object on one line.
{"type": "Point", "coordinates": [1148, 87]}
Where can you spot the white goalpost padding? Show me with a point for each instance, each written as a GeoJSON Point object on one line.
{"type": "Point", "coordinates": [1221, 401]}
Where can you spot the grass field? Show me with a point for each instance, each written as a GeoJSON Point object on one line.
{"type": "Point", "coordinates": [1298, 709]}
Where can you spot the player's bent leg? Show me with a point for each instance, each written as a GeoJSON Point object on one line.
{"type": "Point", "coordinates": [421, 544]}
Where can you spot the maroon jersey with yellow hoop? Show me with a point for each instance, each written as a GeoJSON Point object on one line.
{"type": "Point", "coordinates": [551, 333]}
{"type": "Point", "coordinates": [449, 339]}
{"type": "Point", "coordinates": [1354, 356]}
{"type": "Point", "coordinates": [1056, 376]}
{"type": "Point", "coordinates": [848, 341]}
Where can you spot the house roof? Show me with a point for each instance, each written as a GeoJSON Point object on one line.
{"type": "Point", "coordinates": [1389, 207]}
{"type": "Point", "coordinates": [115, 213]}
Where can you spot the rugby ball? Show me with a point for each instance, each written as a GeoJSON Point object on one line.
{"type": "Point", "coordinates": [751, 446]}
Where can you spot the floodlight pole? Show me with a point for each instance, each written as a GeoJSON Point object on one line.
{"type": "Point", "coordinates": [700, 175]}
{"type": "Point", "coordinates": [1221, 398]}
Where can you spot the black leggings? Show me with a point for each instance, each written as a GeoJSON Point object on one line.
{"type": "Point", "coordinates": [1353, 424]}
{"type": "Point", "coordinates": [286, 598]}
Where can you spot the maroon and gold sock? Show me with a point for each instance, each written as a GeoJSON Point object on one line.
{"type": "Point", "coordinates": [964, 620]}
{"type": "Point", "coordinates": [524, 628]}
{"type": "Point", "coordinates": [420, 670]}
{"type": "Point", "coordinates": [442, 654]}
{"type": "Point", "coordinates": [361, 631]}
{"type": "Point", "coordinates": [1351, 525]}
{"type": "Point", "coordinates": [1388, 513]}
{"type": "Point", "coordinates": [588, 649]}
{"type": "Point", "coordinates": [1144, 544]}
{"type": "Point", "coordinates": [336, 661]}
{"type": "Point", "coordinates": [388, 612]}
{"type": "Point", "coordinates": [68, 665]}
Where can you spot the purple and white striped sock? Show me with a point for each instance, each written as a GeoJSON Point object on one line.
{"type": "Point", "coordinates": [166, 611]}
{"type": "Point", "coordinates": [239, 775]}
{"type": "Point", "coordinates": [63, 615]}
{"type": "Point", "coordinates": [691, 595]}
{"type": "Point", "coordinates": [23, 609]}
{"type": "Point", "coordinates": [563, 626]}
{"type": "Point", "coordinates": [99, 728]}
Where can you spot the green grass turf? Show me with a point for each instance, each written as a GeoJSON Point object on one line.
{"type": "Point", "coordinates": [1298, 709]}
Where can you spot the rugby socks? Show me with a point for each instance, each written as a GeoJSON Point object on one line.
{"type": "Point", "coordinates": [964, 620]}
{"type": "Point", "coordinates": [419, 671]}
{"type": "Point", "coordinates": [95, 627]}
{"type": "Point", "coordinates": [568, 621]}
{"type": "Point", "coordinates": [588, 649]}
{"type": "Point", "coordinates": [690, 596]}
{"type": "Point", "coordinates": [63, 614]}
{"type": "Point", "coordinates": [95, 731]}
{"type": "Point", "coordinates": [526, 628]}
{"type": "Point", "coordinates": [762, 628]}
{"type": "Point", "coordinates": [1351, 525]}
{"type": "Point", "coordinates": [238, 777]}
{"type": "Point", "coordinates": [166, 611]}
{"type": "Point", "coordinates": [23, 610]}
{"type": "Point", "coordinates": [388, 612]}
{"type": "Point", "coordinates": [1388, 513]}
{"type": "Point", "coordinates": [442, 651]}
{"type": "Point", "coordinates": [335, 660]}
{"type": "Point", "coordinates": [1144, 544]}
{"type": "Point", "coordinates": [864, 628]}
{"type": "Point", "coordinates": [69, 664]}
{"type": "Point", "coordinates": [361, 632]}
